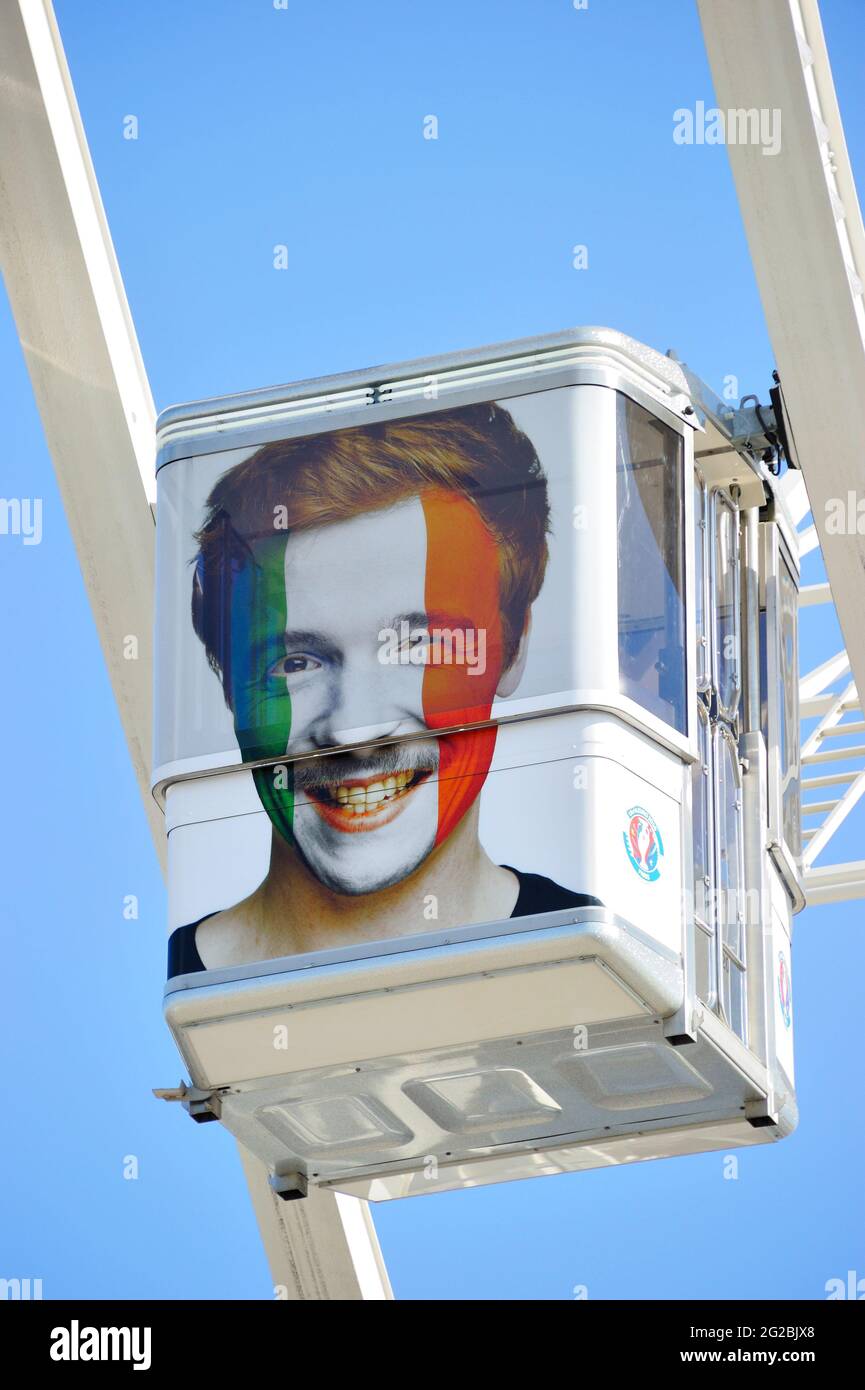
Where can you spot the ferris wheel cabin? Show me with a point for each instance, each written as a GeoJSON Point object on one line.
{"type": "Point", "coordinates": [477, 743]}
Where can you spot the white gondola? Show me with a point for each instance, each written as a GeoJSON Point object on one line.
{"type": "Point", "coordinates": [651, 763]}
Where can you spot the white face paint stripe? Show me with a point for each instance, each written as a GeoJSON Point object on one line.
{"type": "Point", "coordinates": [345, 583]}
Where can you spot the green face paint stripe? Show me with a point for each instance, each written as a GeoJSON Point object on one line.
{"type": "Point", "coordinates": [259, 697]}
{"type": "Point", "coordinates": [277, 800]}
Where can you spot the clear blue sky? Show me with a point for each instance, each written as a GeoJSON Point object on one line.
{"type": "Point", "coordinates": [304, 127]}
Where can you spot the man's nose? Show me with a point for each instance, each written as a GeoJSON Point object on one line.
{"type": "Point", "coordinates": [359, 710]}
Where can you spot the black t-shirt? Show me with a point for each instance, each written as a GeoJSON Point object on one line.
{"type": "Point", "coordinates": [536, 894]}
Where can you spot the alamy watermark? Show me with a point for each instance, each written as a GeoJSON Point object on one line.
{"type": "Point", "coordinates": [852, 1288]}
{"type": "Point", "coordinates": [845, 516]}
{"type": "Point", "coordinates": [738, 126]}
{"type": "Point", "coordinates": [20, 1290]}
{"type": "Point", "coordinates": [434, 646]}
{"type": "Point", "coordinates": [21, 516]}
{"type": "Point", "coordinates": [77, 1343]}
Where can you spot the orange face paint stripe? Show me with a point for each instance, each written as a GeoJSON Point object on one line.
{"type": "Point", "coordinates": [462, 580]}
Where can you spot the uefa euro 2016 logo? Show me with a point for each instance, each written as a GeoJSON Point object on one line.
{"type": "Point", "coordinates": [643, 843]}
{"type": "Point", "coordinates": [784, 991]}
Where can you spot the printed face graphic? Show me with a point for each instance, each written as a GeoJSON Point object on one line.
{"type": "Point", "coordinates": [365, 635]}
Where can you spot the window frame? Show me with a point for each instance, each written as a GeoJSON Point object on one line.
{"type": "Point", "coordinates": [726, 956]}
{"type": "Point", "coordinates": [720, 497]}
{"type": "Point", "coordinates": [707, 924]}
{"type": "Point", "coordinates": [701, 564]}
{"type": "Point", "coordinates": [683, 526]}
{"type": "Point", "coordinates": [774, 552]}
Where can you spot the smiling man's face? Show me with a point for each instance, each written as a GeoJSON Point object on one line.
{"type": "Point", "coordinates": [321, 673]}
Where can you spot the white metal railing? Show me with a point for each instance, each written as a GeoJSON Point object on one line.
{"type": "Point", "coordinates": [837, 763]}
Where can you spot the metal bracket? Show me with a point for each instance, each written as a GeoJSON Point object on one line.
{"type": "Point", "coordinates": [289, 1187]}
{"type": "Point", "coordinates": [203, 1106]}
{"type": "Point", "coordinates": [759, 1114]}
{"type": "Point", "coordinates": [679, 1038]}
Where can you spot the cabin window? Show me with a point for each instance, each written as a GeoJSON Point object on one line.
{"type": "Point", "coordinates": [651, 563]}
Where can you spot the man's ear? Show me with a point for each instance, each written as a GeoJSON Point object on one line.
{"type": "Point", "coordinates": [511, 678]}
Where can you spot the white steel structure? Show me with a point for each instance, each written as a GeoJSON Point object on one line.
{"type": "Point", "coordinates": [92, 392]}
{"type": "Point", "coordinates": [805, 235]}
{"type": "Point", "coordinates": [806, 238]}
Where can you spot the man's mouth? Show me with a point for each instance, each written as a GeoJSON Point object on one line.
{"type": "Point", "coordinates": [366, 803]}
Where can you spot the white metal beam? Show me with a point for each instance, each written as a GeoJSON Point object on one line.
{"type": "Point", "coordinates": [93, 397]}
{"type": "Point", "coordinates": [835, 883]}
{"type": "Point", "coordinates": [814, 594]}
{"type": "Point", "coordinates": [83, 360]}
{"type": "Point", "coordinates": [830, 779]}
{"type": "Point", "coordinates": [807, 245]}
{"type": "Point", "coordinates": [831, 720]}
{"type": "Point", "coordinates": [813, 682]}
{"type": "Point", "coordinates": [323, 1247]}
{"type": "Point", "coordinates": [835, 810]}
{"type": "Point", "coordinates": [791, 486]}
{"type": "Point", "coordinates": [837, 815]}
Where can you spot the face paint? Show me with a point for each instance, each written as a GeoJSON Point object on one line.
{"type": "Point", "coordinates": [458, 683]}
{"type": "Point", "coordinates": [462, 578]}
{"type": "Point", "coordinates": [259, 696]}
{"type": "Point", "coordinates": [365, 816]}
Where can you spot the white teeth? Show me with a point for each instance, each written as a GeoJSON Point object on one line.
{"type": "Point", "coordinates": [360, 800]}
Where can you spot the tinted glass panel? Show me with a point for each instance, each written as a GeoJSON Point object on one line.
{"type": "Point", "coordinates": [727, 641]}
{"type": "Point", "coordinates": [704, 966]}
{"type": "Point", "coordinates": [701, 659]}
{"type": "Point", "coordinates": [734, 997]}
{"type": "Point", "coordinates": [651, 563]}
{"type": "Point", "coordinates": [788, 706]}
{"type": "Point", "coordinates": [729, 813]}
{"type": "Point", "coordinates": [700, 799]}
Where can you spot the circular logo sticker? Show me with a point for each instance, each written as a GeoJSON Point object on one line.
{"type": "Point", "coordinates": [643, 843]}
{"type": "Point", "coordinates": [784, 991]}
